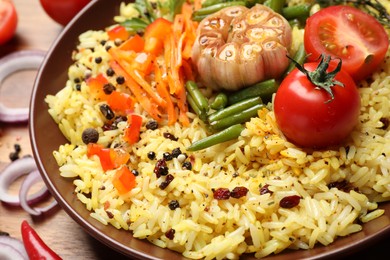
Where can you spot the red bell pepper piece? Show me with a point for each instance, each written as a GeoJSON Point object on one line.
{"type": "Point", "coordinates": [118, 32]}
{"type": "Point", "coordinates": [132, 132]}
{"type": "Point", "coordinates": [154, 36]}
{"type": "Point", "coordinates": [109, 158]}
{"type": "Point", "coordinates": [124, 180]}
{"type": "Point", "coordinates": [135, 43]}
{"type": "Point", "coordinates": [34, 245]}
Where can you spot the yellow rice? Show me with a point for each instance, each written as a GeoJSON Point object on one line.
{"type": "Point", "coordinates": [209, 228]}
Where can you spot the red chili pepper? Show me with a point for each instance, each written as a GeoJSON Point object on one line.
{"type": "Point", "coordinates": [35, 247]}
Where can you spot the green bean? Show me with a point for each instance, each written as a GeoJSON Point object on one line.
{"type": "Point", "coordinates": [214, 8]}
{"type": "Point", "coordinates": [299, 57]}
{"type": "Point", "coordinates": [219, 102]}
{"type": "Point", "coordinates": [263, 89]}
{"type": "Point", "coordinates": [239, 118]}
{"type": "Point", "coordinates": [135, 24]}
{"type": "Point", "coordinates": [276, 5]}
{"type": "Point", "coordinates": [198, 97]}
{"type": "Point", "coordinates": [202, 115]}
{"type": "Point", "coordinates": [210, 2]}
{"type": "Point", "coordinates": [300, 12]}
{"type": "Point", "coordinates": [235, 108]}
{"type": "Point", "coordinates": [225, 135]}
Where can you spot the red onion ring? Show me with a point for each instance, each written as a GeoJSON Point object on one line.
{"type": "Point", "coordinates": [30, 180]}
{"type": "Point", "coordinates": [16, 61]}
{"type": "Point", "coordinates": [13, 171]}
{"type": "Point", "coordinates": [12, 248]}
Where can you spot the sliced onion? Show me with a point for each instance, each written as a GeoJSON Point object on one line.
{"type": "Point", "coordinates": [16, 61]}
{"type": "Point", "coordinates": [30, 180]}
{"type": "Point", "coordinates": [12, 172]}
{"type": "Point", "coordinates": [12, 248]}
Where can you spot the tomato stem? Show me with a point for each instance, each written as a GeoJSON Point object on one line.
{"type": "Point", "coordinates": [320, 77]}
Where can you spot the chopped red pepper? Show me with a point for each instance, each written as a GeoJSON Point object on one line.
{"type": "Point", "coordinates": [109, 158]}
{"type": "Point", "coordinates": [34, 245]}
{"type": "Point", "coordinates": [132, 132]}
{"type": "Point", "coordinates": [96, 85]}
{"type": "Point", "coordinates": [118, 32]}
{"type": "Point", "coordinates": [135, 43]}
{"type": "Point", "coordinates": [121, 102]}
{"type": "Point", "coordinates": [124, 180]}
{"type": "Point", "coordinates": [155, 33]}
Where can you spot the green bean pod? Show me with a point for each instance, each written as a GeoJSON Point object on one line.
{"type": "Point", "coordinates": [225, 135]}
{"type": "Point", "coordinates": [198, 97]}
{"type": "Point", "coordinates": [300, 12]}
{"type": "Point", "coordinates": [276, 5]}
{"type": "Point", "coordinates": [201, 114]}
{"type": "Point", "coordinates": [215, 8]}
{"type": "Point", "coordinates": [219, 102]}
{"type": "Point", "coordinates": [263, 89]}
{"type": "Point", "coordinates": [242, 117]}
{"type": "Point", "coordinates": [234, 109]}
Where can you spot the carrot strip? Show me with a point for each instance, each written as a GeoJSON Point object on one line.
{"type": "Point", "coordinates": [163, 91]}
{"type": "Point", "coordinates": [138, 92]}
{"type": "Point", "coordinates": [137, 78]}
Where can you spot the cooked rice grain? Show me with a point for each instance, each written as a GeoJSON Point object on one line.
{"type": "Point", "coordinates": [208, 228]}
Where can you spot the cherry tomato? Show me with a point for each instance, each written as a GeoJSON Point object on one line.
{"type": "Point", "coordinates": [62, 11]}
{"type": "Point", "coordinates": [308, 116]}
{"type": "Point", "coordinates": [8, 20]}
{"type": "Point", "coordinates": [350, 34]}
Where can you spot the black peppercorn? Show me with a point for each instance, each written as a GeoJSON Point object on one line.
{"type": "Point", "coordinates": [151, 155]}
{"type": "Point", "coordinates": [108, 88]}
{"type": "Point", "coordinates": [107, 112]}
{"type": "Point", "coordinates": [176, 152]}
{"type": "Point", "coordinates": [135, 172]}
{"type": "Point", "coordinates": [110, 72]}
{"type": "Point", "coordinates": [173, 204]}
{"type": "Point", "coordinates": [167, 156]}
{"type": "Point", "coordinates": [98, 60]}
{"type": "Point", "coordinates": [90, 135]}
{"type": "Point", "coordinates": [152, 125]}
{"type": "Point", "coordinates": [187, 165]}
{"type": "Point", "coordinates": [120, 80]}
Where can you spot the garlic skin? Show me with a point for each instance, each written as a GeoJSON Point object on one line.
{"type": "Point", "coordinates": [236, 47]}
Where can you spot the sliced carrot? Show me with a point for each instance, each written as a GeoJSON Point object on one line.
{"type": "Point", "coordinates": [137, 77]}
{"type": "Point", "coordinates": [162, 89]}
{"type": "Point", "coordinates": [140, 94]}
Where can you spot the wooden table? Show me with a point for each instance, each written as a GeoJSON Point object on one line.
{"type": "Point", "coordinates": [37, 31]}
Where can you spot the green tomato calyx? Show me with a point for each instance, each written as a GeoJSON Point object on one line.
{"type": "Point", "coordinates": [320, 77]}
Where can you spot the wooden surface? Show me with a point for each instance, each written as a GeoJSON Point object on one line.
{"type": "Point", "coordinates": [37, 31]}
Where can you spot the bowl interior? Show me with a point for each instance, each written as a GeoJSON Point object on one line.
{"type": "Point", "coordinates": [46, 137]}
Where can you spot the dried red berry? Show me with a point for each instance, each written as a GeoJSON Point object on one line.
{"type": "Point", "coordinates": [238, 192]}
{"type": "Point", "coordinates": [290, 201]}
{"type": "Point", "coordinates": [222, 194]}
{"type": "Point", "coordinates": [167, 181]}
{"type": "Point", "coordinates": [161, 168]}
{"type": "Point", "coordinates": [265, 190]}
{"type": "Point", "coordinates": [170, 234]}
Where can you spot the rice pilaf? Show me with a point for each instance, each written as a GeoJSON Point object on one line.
{"type": "Point", "coordinates": [261, 159]}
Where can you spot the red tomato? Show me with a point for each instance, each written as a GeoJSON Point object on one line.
{"type": "Point", "coordinates": [350, 34]}
{"type": "Point", "coordinates": [8, 20]}
{"type": "Point", "coordinates": [62, 11]}
{"type": "Point", "coordinates": [308, 116]}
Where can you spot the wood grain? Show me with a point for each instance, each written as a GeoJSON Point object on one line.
{"type": "Point", "coordinates": [37, 31]}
